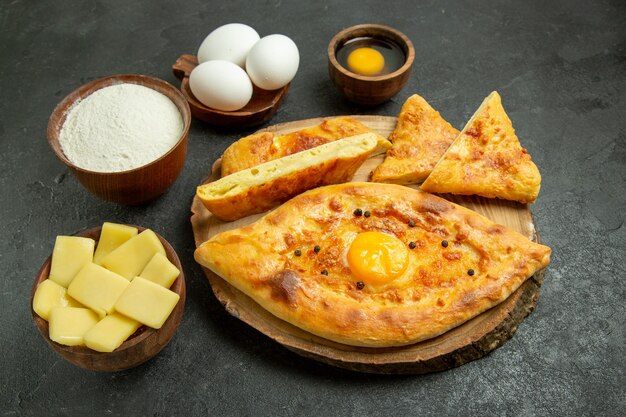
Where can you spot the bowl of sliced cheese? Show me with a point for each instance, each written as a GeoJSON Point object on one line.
{"type": "Point", "coordinates": [109, 298]}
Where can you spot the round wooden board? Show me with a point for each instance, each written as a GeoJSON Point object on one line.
{"type": "Point", "coordinates": [472, 340]}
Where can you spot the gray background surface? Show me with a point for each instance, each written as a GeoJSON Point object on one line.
{"type": "Point", "coordinates": [561, 70]}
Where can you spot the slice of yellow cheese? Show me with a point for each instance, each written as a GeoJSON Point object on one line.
{"type": "Point", "coordinates": [97, 288]}
{"type": "Point", "coordinates": [68, 324]}
{"type": "Point", "coordinates": [110, 332]}
{"type": "Point", "coordinates": [48, 295]}
{"type": "Point", "coordinates": [160, 271]}
{"type": "Point", "coordinates": [147, 302]}
{"type": "Point", "coordinates": [132, 256]}
{"type": "Point", "coordinates": [111, 237]}
{"type": "Point", "coordinates": [69, 255]}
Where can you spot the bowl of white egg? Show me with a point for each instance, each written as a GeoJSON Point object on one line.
{"type": "Point", "coordinates": [237, 78]}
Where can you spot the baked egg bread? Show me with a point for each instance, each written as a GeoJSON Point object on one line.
{"type": "Point", "coordinates": [257, 189]}
{"type": "Point", "coordinates": [266, 146]}
{"type": "Point", "coordinates": [487, 159]}
{"type": "Point", "coordinates": [372, 264]}
{"type": "Point", "coordinates": [419, 140]}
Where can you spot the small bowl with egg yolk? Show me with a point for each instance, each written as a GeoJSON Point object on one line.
{"type": "Point", "coordinates": [145, 343]}
{"type": "Point", "coordinates": [365, 78]}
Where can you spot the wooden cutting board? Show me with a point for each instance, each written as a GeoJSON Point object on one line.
{"type": "Point", "coordinates": [472, 340]}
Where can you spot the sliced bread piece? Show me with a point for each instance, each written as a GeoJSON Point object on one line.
{"type": "Point", "coordinates": [487, 159]}
{"type": "Point", "coordinates": [257, 189]}
{"type": "Point", "coordinates": [419, 140]}
{"type": "Point", "coordinates": [266, 146]}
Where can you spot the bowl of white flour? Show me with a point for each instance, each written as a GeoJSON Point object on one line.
{"type": "Point", "coordinates": [124, 136]}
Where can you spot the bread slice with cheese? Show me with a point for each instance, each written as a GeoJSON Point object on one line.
{"type": "Point", "coordinates": [260, 188]}
{"type": "Point", "coordinates": [266, 146]}
{"type": "Point", "coordinates": [487, 159]}
{"type": "Point", "coordinates": [419, 140]}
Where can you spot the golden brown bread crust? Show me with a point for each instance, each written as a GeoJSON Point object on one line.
{"type": "Point", "coordinates": [487, 159]}
{"type": "Point", "coordinates": [261, 147]}
{"type": "Point", "coordinates": [419, 140]}
{"type": "Point", "coordinates": [434, 294]}
{"type": "Point", "coordinates": [258, 189]}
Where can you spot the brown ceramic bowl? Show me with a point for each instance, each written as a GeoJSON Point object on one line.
{"type": "Point", "coordinates": [261, 108]}
{"type": "Point", "coordinates": [144, 344]}
{"type": "Point", "coordinates": [369, 90]}
{"type": "Point", "coordinates": [135, 186]}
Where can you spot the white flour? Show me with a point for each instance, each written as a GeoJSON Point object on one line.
{"type": "Point", "coordinates": [120, 127]}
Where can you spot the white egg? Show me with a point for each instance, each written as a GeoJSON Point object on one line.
{"type": "Point", "coordinates": [273, 62]}
{"type": "Point", "coordinates": [221, 85]}
{"type": "Point", "coordinates": [230, 42]}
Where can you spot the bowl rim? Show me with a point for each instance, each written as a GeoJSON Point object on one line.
{"type": "Point", "coordinates": [58, 116]}
{"type": "Point", "coordinates": [42, 325]}
{"type": "Point", "coordinates": [332, 47]}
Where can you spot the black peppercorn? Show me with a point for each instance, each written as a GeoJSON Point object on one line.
{"type": "Point", "coordinates": [412, 245]}
{"type": "Point", "coordinates": [358, 212]}
{"type": "Point", "coordinates": [444, 243]}
{"type": "Point", "coordinates": [317, 248]}
{"type": "Point", "coordinates": [360, 285]}
{"type": "Point", "coordinates": [470, 272]}
{"type": "Point", "coordinates": [324, 272]}
{"type": "Point", "coordinates": [411, 223]}
{"type": "Point", "coordinates": [367, 214]}
{"type": "Point", "coordinates": [297, 252]}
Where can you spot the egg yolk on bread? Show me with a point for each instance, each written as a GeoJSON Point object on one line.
{"type": "Point", "coordinates": [377, 258]}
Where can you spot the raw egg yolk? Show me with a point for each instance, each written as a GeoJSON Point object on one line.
{"type": "Point", "coordinates": [366, 61]}
{"type": "Point", "coordinates": [377, 258]}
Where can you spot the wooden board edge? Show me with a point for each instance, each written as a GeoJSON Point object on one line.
{"type": "Point", "coordinates": [524, 301]}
